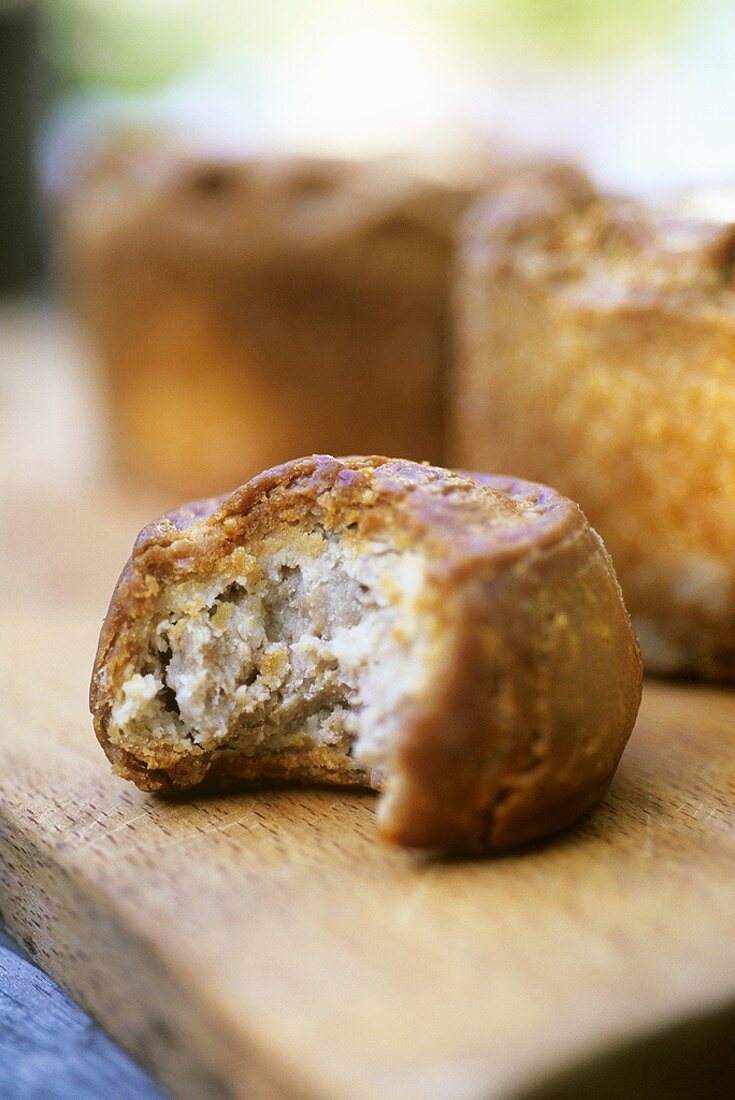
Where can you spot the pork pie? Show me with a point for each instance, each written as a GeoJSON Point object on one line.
{"type": "Point", "coordinates": [457, 642]}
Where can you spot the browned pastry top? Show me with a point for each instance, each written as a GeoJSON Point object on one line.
{"type": "Point", "coordinates": [460, 519]}
{"type": "Point", "coordinates": [258, 210]}
{"type": "Point", "coordinates": [607, 252]}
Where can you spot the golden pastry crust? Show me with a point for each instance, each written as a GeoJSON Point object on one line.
{"type": "Point", "coordinates": [596, 352]}
{"type": "Point", "coordinates": [534, 672]}
{"type": "Point", "coordinates": [249, 310]}
{"type": "Point", "coordinates": [222, 296]}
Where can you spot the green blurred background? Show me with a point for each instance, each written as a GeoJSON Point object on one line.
{"type": "Point", "coordinates": [625, 86]}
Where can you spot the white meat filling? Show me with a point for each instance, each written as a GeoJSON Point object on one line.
{"type": "Point", "coordinates": [312, 639]}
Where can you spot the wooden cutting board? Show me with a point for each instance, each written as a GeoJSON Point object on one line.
{"type": "Point", "coordinates": [267, 945]}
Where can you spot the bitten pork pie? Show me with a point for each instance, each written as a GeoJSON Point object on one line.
{"type": "Point", "coordinates": [457, 642]}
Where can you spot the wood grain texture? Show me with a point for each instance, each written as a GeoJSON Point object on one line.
{"type": "Point", "coordinates": [267, 945]}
